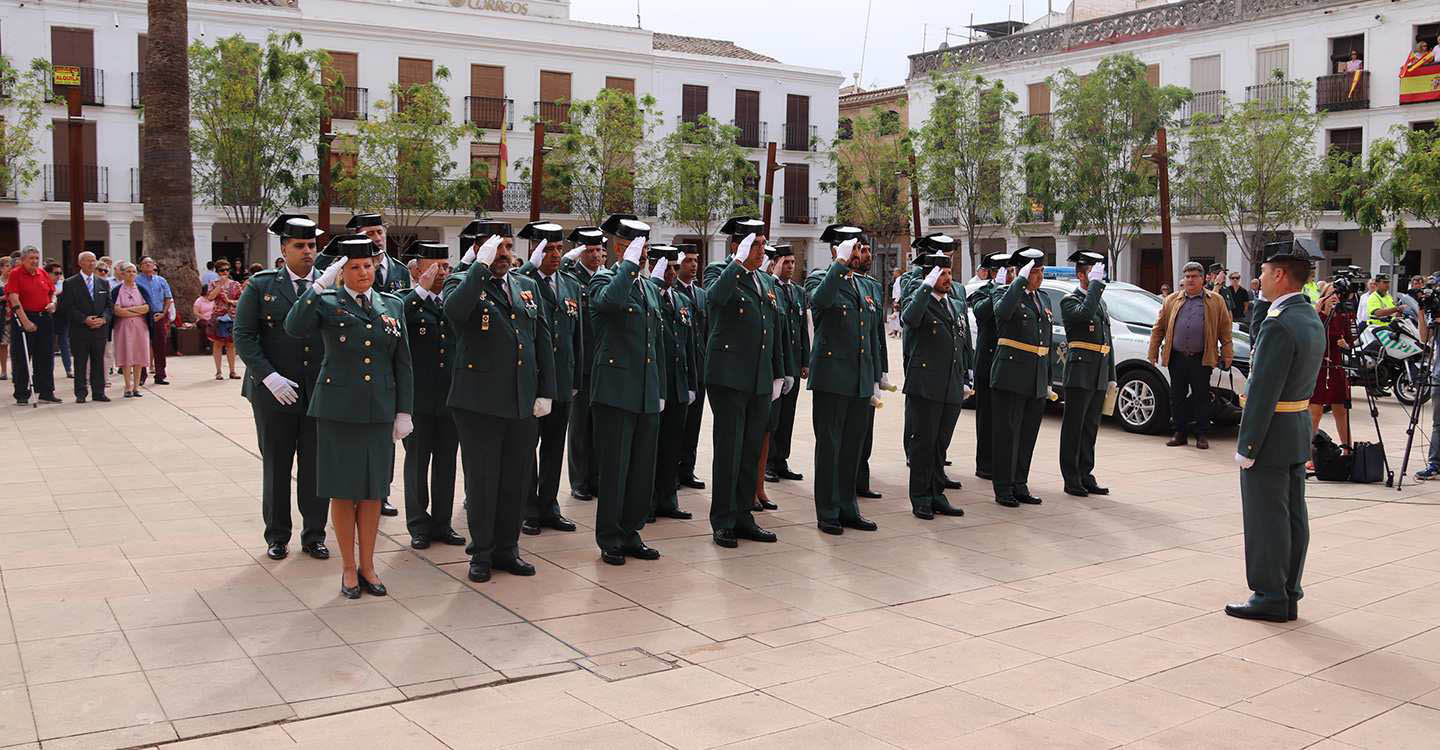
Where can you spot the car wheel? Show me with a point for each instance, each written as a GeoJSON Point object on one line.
{"type": "Point", "coordinates": [1143, 404]}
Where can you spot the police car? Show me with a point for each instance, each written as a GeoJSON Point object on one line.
{"type": "Point", "coordinates": [1143, 404]}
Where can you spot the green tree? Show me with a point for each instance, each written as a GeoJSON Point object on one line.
{"type": "Point", "coordinates": [870, 168]}
{"type": "Point", "coordinates": [703, 176]}
{"type": "Point", "coordinates": [1398, 180]}
{"type": "Point", "coordinates": [403, 163]}
{"type": "Point", "coordinates": [602, 155]}
{"type": "Point", "coordinates": [21, 108]}
{"type": "Point", "coordinates": [1254, 169]}
{"type": "Point", "coordinates": [967, 151]}
{"type": "Point", "coordinates": [255, 115]}
{"type": "Point", "coordinates": [1106, 121]}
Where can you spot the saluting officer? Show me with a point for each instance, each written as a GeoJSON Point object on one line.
{"type": "Point", "coordinates": [495, 405]}
{"type": "Point", "coordinates": [874, 294]}
{"type": "Point", "coordinates": [1089, 373]}
{"type": "Point", "coordinates": [1274, 439]}
{"type": "Point", "coordinates": [628, 393]}
{"type": "Point", "coordinates": [431, 450]}
{"type": "Point", "coordinates": [925, 247]}
{"type": "Point", "coordinates": [689, 283]}
{"type": "Point", "coordinates": [789, 372]}
{"type": "Point", "coordinates": [982, 303]}
{"type": "Point", "coordinates": [560, 302]}
{"type": "Point", "coordinates": [677, 326]}
{"type": "Point", "coordinates": [280, 373]}
{"type": "Point", "coordinates": [936, 372]}
{"type": "Point", "coordinates": [580, 264]}
{"type": "Point", "coordinates": [1019, 377]}
{"type": "Point", "coordinates": [796, 332]}
{"type": "Point", "coordinates": [391, 275]}
{"type": "Point", "coordinates": [843, 377]}
{"type": "Point", "coordinates": [743, 375]}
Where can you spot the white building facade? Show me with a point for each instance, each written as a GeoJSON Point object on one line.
{"type": "Point", "coordinates": [508, 59]}
{"type": "Point", "coordinates": [1215, 48]}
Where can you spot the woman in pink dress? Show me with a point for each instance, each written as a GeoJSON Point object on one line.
{"type": "Point", "coordinates": [132, 329]}
{"type": "Point", "coordinates": [223, 294]}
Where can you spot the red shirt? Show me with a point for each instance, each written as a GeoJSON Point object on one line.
{"type": "Point", "coordinates": [35, 289]}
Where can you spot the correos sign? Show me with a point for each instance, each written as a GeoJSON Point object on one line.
{"type": "Point", "coordinates": [495, 6]}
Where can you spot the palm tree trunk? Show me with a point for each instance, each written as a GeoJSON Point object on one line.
{"type": "Point", "coordinates": [165, 151]}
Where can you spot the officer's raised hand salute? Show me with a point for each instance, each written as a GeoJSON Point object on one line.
{"type": "Point", "coordinates": [1089, 373]}
{"type": "Point", "coordinates": [982, 301]}
{"type": "Point", "coordinates": [1019, 377]}
{"type": "Point", "coordinates": [935, 374]}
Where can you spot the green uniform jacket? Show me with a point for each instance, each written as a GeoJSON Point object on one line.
{"type": "Point", "coordinates": [677, 317]}
{"type": "Point", "coordinates": [941, 356]}
{"type": "Point", "coordinates": [698, 299]}
{"type": "Point", "coordinates": [1086, 319]}
{"type": "Point", "coordinates": [1018, 320]}
{"type": "Point", "coordinates": [397, 276]}
{"type": "Point", "coordinates": [432, 350]}
{"type": "Point", "coordinates": [585, 354]}
{"type": "Point", "coordinates": [796, 310]}
{"type": "Point", "coordinates": [744, 349]}
{"type": "Point", "coordinates": [562, 312]}
{"type": "Point", "coordinates": [982, 302]}
{"type": "Point", "coordinates": [366, 375]}
{"type": "Point", "coordinates": [789, 361]}
{"type": "Point", "coordinates": [875, 301]}
{"type": "Point", "coordinates": [630, 356]}
{"type": "Point", "coordinates": [842, 360]}
{"type": "Point", "coordinates": [262, 342]}
{"type": "Point", "coordinates": [1284, 361]}
{"type": "Point", "coordinates": [497, 329]}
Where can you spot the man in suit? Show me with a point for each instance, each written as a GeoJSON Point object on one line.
{"type": "Point", "coordinates": [581, 263]}
{"type": "Point", "coordinates": [874, 295]}
{"type": "Point", "coordinates": [560, 302]}
{"type": "Point", "coordinates": [280, 374]}
{"type": "Point", "coordinates": [1274, 438]}
{"type": "Point", "coordinates": [689, 283]}
{"type": "Point", "coordinates": [982, 302]}
{"type": "Point", "coordinates": [743, 375]}
{"type": "Point", "coordinates": [677, 317]}
{"type": "Point", "coordinates": [86, 308]}
{"type": "Point", "coordinates": [1089, 373]}
{"type": "Point", "coordinates": [497, 316]}
{"type": "Point", "coordinates": [936, 372]}
{"type": "Point", "coordinates": [1019, 377]}
{"type": "Point", "coordinates": [796, 341]}
{"type": "Point", "coordinates": [431, 448]}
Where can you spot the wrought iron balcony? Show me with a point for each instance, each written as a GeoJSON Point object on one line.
{"type": "Point", "coordinates": [490, 112]}
{"type": "Point", "coordinates": [95, 183]}
{"type": "Point", "coordinates": [944, 212]}
{"type": "Point", "coordinates": [553, 114]}
{"type": "Point", "coordinates": [514, 199]}
{"type": "Point", "coordinates": [92, 88]}
{"type": "Point", "coordinates": [799, 209]}
{"type": "Point", "coordinates": [1342, 91]}
{"type": "Point", "coordinates": [1209, 103]}
{"type": "Point", "coordinates": [1270, 94]}
{"type": "Point", "coordinates": [752, 133]}
{"type": "Point", "coordinates": [800, 136]}
{"type": "Point", "coordinates": [1037, 125]}
{"type": "Point", "coordinates": [351, 103]}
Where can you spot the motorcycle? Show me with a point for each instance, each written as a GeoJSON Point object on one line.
{"type": "Point", "coordinates": [1391, 356]}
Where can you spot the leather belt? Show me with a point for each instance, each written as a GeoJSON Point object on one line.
{"type": "Point", "coordinates": [1102, 348]}
{"type": "Point", "coordinates": [1038, 351]}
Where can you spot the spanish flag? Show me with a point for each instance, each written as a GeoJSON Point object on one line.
{"type": "Point", "coordinates": [504, 151]}
{"type": "Point", "coordinates": [1420, 80]}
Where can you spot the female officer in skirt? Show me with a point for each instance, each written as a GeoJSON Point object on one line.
{"type": "Point", "coordinates": [363, 398]}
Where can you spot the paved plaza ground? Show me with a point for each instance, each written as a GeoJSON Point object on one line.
{"type": "Point", "coordinates": [139, 610]}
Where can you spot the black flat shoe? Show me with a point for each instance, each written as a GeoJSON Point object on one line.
{"type": "Point", "coordinates": [1076, 491]}
{"type": "Point", "coordinates": [1254, 610]}
{"type": "Point", "coordinates": [514, 566]}
{"type": "Point", "coordinates": [692, 483]}
{"type": "Point", "coordinates": [788, 475]}
{"type": "Point", "coordinates": [79, 399]}
{"type": "Point", "coordinates": [102, 399]}
{"type": "Point", "coordinates": [478, 572]}
{"type": "Point", "coordinates": [612, 556]}
{"type": "Point", "coordinates": [650, 518]}
{"type": "Point", "coordinates": [349, 592]}
{"type": "Point", "coordinates": [755, 534]}
{"type": "Point", "coordinates": [984, 474]}
{"type": "Point", "coordinates": [947, 510]}
{"type": "Point", "coordinates": [386, 509]}
{"type": "Point", "coordinates": [1292, 612]}
{"type": "Point", "coordinates": [924, 514]}
{"type": "Point", "coordinates": [450, 538]}
{"type": "Point", "coordinates": [1027, 498]}
{"type": "Point", "coordinates": [559, 523]}
{"type": "Point", "coordinates": [419, 542]}
{"type": "Point", "coordinates": [641, 551]}
{"type": "Point", "coordinates": [161, 381]}
{"type": "Point", "coordinates": [1008, 501]}
{"type": "Point", "coordinates": [1096, 489]}
{"type": "Point", "coordinates": [373, 589]}
{"type": "Point", "coordinates": [868, 494]}
{"type": "Point", "coordinates": [581, 495]}
{"type": "Point", "coordinates": [677, 514]}
{"type": "Point", "coordinates": [276, 552]}
{"type": "Point", "coordinates": [765, 504]}
{"type": "Point", "coordinates": [771, 476]}
{"type": "Point", "coordinates": [952, 484]}
{"type": "Point", "coordinates": [530, 528]}
{"type": "Point", "coordinates": [317, 550]}
{"type": "Point", "coordinates": [725, 538]}
{"type": "Point", "coordinates": [830, 527]}
{"type": "Point", "coordinates": [859, 523]}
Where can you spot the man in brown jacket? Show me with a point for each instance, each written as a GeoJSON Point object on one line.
{"type": "Point", "coordinates": [1190, 337]}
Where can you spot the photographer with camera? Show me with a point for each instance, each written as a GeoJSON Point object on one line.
{"type": "Point", "coordinates": [1332, 385]}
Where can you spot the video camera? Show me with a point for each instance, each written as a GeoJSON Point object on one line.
{"type": "Point", "coordinates": [1428, 298]}
{"type": "Point", "coordinates": [1348, 281]}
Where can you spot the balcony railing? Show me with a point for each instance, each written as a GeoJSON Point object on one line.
{"type": "Point", "coordinates": [92, 87]}
{"type": "Point", "coordinates": [1211, 103]}
{"type": "Point", "coordinates": [799, 209]}
{"type": "Point", "coordinates": [1036, 125]}
{"type": "Point", "coordinates": [136, 196]}
{"type": "Point", "coordinates": [800, 136]}
{"type": "Point", "coordinates": [1032, 211]}
{"type": "Point", "coordinates": [944, 212]}
{"type": "Point", "coordinates": [95, 183]}
{"type": "Point", "coordinates": [1342, 91]}
{"type": "Point", "coordinates": [351, 103]}
{"type": "Point", "coordinates": [752, 133]}
{"type": "Point", "coordinates": [1272, 94]}
{"type": "Point", "coordinates": [645, 204]}
{"type": "Point", "coordinates": [137, 90]}
{"type": "Point", "coordinates": [514, 199]}
{"type": "Point", "coordinates": [694, 123]}
{"type": "Point", "coordinates": [490, 112]}
{"type": "Point", "coordinates": [553, 114]}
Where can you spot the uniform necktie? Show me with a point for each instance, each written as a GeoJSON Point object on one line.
{"type": "Point", "coordinates": [300, 286]}
{"type": "Point", "coordinates": [364, 300]}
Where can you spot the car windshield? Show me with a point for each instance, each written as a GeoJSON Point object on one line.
{"type": "Point", "coordinates": [1133, 306]}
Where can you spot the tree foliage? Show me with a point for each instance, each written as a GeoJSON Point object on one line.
{"type": "Point", "coordinates": [602, 155]}
{"type": "Point", "coordinates": [21, 108]}
{"type": "Point", "coordinates": [870, 168]}
{"type": "Point", "coordinates": [1399, 179]}
{"type": "Point", "coordinates": [703, 176]}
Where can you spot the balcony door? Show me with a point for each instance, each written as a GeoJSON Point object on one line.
{"type": "Point", "coordinates": [60, 172]}
{"type": "Point", "coordinates": [1268, 60]}
{"type": "Point", "coordinates": [487, 97]}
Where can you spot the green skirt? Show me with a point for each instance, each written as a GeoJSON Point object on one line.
{"type": "Point", "coordinates": [354, 460]}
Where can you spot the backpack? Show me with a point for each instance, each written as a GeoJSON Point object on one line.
{"type": "Point", "coordinates": [1331, 464]}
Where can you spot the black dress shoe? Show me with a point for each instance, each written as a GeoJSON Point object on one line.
{"type": "Point", "coordinates": [859, 523]}
{"type": "Point", "coordinates": [924, 514]}
{"type": "Point", "coordinates": [650, 518]}
{"type": "Point", "coordinates": [765, 504]}
{"type": "Point", "coordinates": [755, 534]}
{"type": "Point", "coordinates": [785, 473]}
{"type": "Point", "coordinates": [514, 566]}
{"type": "Point", "coordinates": [51, 399]}
{"type": "Point", "coordinates": [582, 495]}
{"type": "Point", "coordinates": [1096, 489]}
{"type": "Point", "coordinates": [1258, 609]}
{"type": "Point", "coordinates": [276, 552]}
{"type": "Point", "coordinates": [373, 589]}
{"type": "Point", "coordinates": [317, 550]}
{"type": "Point", "coordinates": [529, 528]}
{"type": "Point", "coordinates": [1076, 491]}
{"type": "Point", "coordinates": [449, 537]}
{"type": "Point", "coordinates": [868, 494]}
{"type": "Point", "coordinates": [946, 509]}
{"type": "Point", "coordinates": [830, 527]}
{"type": "Point", "coordinates": [161, 381]}
{"type": "Point", "coordinates": [349, 592]}
{"type": "Point", "coordinates": [1202, 443]}
{"type": "Point", "coordinates": [692, 483]}
{"type": "Point", "coordinates": [984, 474]}
{"type": "Point", "coordinates": [79, 399]}
{"type": "Point", "coordinates": [102, 398]}
{"type": "Point", "coordinates": [1028, 498]}
{"type": "Point", "coordinates": [771, 476]}
{"type": "Point", "coordinates": [386, 509]}
{"type": "Point", "coordinates": [952, 484]}
{"type": "Point", "coordinates": [612, 556]}
{"type": "Point", "coordinates": [419, 542]}
{"type": "Point", "coordinates": [559, 523]}
{"type": "Point", "coordinates": [681, 515]}
{"type": "Point", "coordinates": [725, 538]}
{"type": "Point", "coordinates": [641, 551]}
{"type": "Point", "coordinates": [479, 572]}
{"type": "Point", "coordinates": [1008, 501]}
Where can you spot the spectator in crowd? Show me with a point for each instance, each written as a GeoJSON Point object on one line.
{"type": "Point", "coordinates": [1379, 303]}
{"type": "Point", "coordinates": [1332, 387]}
{"type": "Point", "coordinates": [161, 302]}
{"type": "Point", "coordinates": [208, 276]}
{"type": "Point", "coordinates": [1191, 336]}
{"type": "Point", "coordinates": [1365, 297]}
{"type": "Point", "coordinates": [1237, 298]}
{"type": "Point", "coordinates": [251, 271]}
{"type": "Point", "coordinates": [1254, 289]}
{"type": "Point", "coordinates": [1165, 290]}
{"type": "Point", "coordinates": [102, 270]}
{"type": "Point", "coordinates": [279, 262]}
{"type": "Point", "coordinates": [30, 294]}
{"type": "Point", "coordinates": [85, 310]}
{"type": "Point", "coordinates": [224, 293]}
{"type": "Point", "coordinates": [5, 265]}
{"type": "Point", "coordinates": [132, 330]}
{"type": "Point", "coordinates": [62, 331]}
{"type": "Point", "coordinates": [982, 275]}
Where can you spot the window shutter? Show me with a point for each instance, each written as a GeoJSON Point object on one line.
{"type": "Point", "coordinates": [487, 80]}
{"type": "Point", "coordinates": [554, 87]}
{"type": "Point", "coordinates": [1205, 74]}
{"type": "Point", "coordinates": [1039, 96]}
{"type": "Point", "coordinates": [412, 71]}
{"type": "Point", "coordinates": [694, 101]}
{"type": "Point", "coordinates": [344, 66]}
{"type": "Point", "coordinates": [620, 84]}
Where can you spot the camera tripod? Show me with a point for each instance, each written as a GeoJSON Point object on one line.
{"type": "Point", "coordinates": [1424, 388]}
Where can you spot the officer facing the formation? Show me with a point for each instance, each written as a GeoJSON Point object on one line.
{"type": "Point", "coordinates": [844, 377]}
{"type": "Point", "coordinates": [1019, 377]}
{"type": "Point", "coordinates": [935, 380]}
{"type": "Point", "coordinates": [280, 373]}
{"type": "Point", "coordinates": [796, 342]}
{"type": "Point", "coordinates": [628, 393]}
{"type": "Point", "coordinates": [581, 263]}
{"type": "Point", "coordinates": [1089, 373]}
{"type": "Point", "coordinates": [495, 404]}
{"type": "Point", "coordinates": [689, 283]}
{"type": "Point", "coordinates": [392, 276]}
{"type": "Point", "coordinates": [677, 318]}
{"type": "Point", "coordinates": [982, 303]}
{"type": "Point", "coordinates": [560, 303]}
{"type": "Point", "coordinates": [430, 451]}
{"type": "Point", "coordinates": [743, 375]}
{"type": "Point", "coordinates": [874, 296]}
{"type": "Point", "coordinates": [1274, 438]}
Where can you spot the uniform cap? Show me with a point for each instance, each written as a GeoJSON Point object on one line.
{"type": "Point", "coordinates": [775, 252]}
{"type": "Point", "coordinates": [361, 221]}
{"type": "Point", "coordinates": [1300, 248]}
{"type": "Point", "coordinates": [427, 250]}
{"type": "Point", "coordinates": [625, 226]}
{"type": "Point", "coordinates": [838, 233]}
{"type": "Point", "coordinates": [935, 242]}
{"type": "Point", "coordinates": [1027, 254]}
{"type": "Point", "coordinates": [353, 246]}
{"type": "Point", "coordinates": [996, 260]}
{"type": "Point", "coordinates": [587, 236]}
{"type": "Point", "coordinates": [668, 252]}
{"type": "Point", "coordinates": [932, 260]}
{"type": "Point", "coordinates": [295, 227]}
{"type": "Point", "coordinates": [1086, 257]}
{"type": "Point", "coordinates": [483, 228]}
{"type": "Point", "coordinates": [739, 226]}
{"type": "Point", "coordinates": [542, 230]}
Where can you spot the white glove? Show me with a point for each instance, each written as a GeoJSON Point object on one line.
{"type": "Point", "coordinates": [1244, 462]}
{"type": "Point", "coordinates": [1051, 395]}
{"type": "Point", "coordinates": [542, 407]}
{"type": "Point", "coordinates": [573, 254]}
{"type": "Point", "coordinates": [789, 384]}
{"type": "Point", "coordinates": [932, 278]}
{"type": "Point", "coordinates": [634, 250]}
{"type": "Point", "coordinates": [1001, 275]}
{"type": "Point", "coordinates": [844, 249]}
{"type": "Point", "coordinates": [282, 388]}
{"type": "Point", "coordinates": [662, 404]}
{"type": "Point", "coordinates": [485, 255]}
{"type": "Point", "coordinates": [1097, 272]}
{"type": "Point", "coordinates": [469, 256]}
{"type": "Point", "coordinates": [1110, 386]}
{"type": "Point", "coordinates": [657, 271]}
{"type": "Point", "coordinates": [884, 383]}
{"type": "Point", "coordinates": [1025, 271]}
{"type": "Point", "coordinates": [574, 392]}
{"type": "Point", "coordinates": [690, 397]}
{"type": "Point", "coordinates": [742, 251]}
{"type": "Point", "coordinates": [538, 253]}
{"type": "Point", "coordinates": [404, 425]}
{"type": "Point", "coordinates": [875, 401]}
{"type": "Point", "coordinates": [776, 388]}
{"type": "Point", "coordinates": [332, 272]}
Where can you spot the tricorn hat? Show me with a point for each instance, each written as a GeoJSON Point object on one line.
{"type": "Point", "coordinates": [933, 260]}
{"type": "Point", "coordinates": [776, 252]}
{"type": "Point", "coordinates": [542, 230]}
{"type": "Point", "coordinates": [295, 227]}
{"type": "Point", "coordinates": [352, 246]}
{"type": "Point", "coordinates": [996, 260]}
{"type": "Point", "coordinates": [838, 233]}
{"type": "Point", "coordinates": [739, 226]}
{"type": "Point", "coordinates": [427, 250]}
{"type": "Point", "coordinates": [587, 236]}
{"type": "Point", "coordinates": [625, 226]}
{"type": "Point", "coordinates": [1300, 248]}
{"type": "Point", "coordinates": [1086, 257]}
{"type": "Point", "coordinates": [1027, 254]}
{"type": "Point", "coordinates": [360, 221]}
{"type": "Point", "coordinates": [935, 242]}
{"type": "Point", "coordinates": [658, 251]}
{"type": "Point", "coordinates": [484, 228]}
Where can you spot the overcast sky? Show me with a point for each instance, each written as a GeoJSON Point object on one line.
{"type": "Point", "coordinates": [816, 33]}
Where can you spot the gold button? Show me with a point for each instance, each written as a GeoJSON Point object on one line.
{"type": "Point", "coordinates": [342, 338]}
{"type": "Point", "coordinates": [442, 350]}
{"type": "Point", "coordinates": [306, 362]}
{"type": "Point", "coordinates": [307, 348]}
{"type": "Point", "coordinates": [612, 361]}
{"type": "Point", "coordinates": [367, 342]}
{"type": "Point", "coordinates": [442, 364]}
{"type": "Point", "coordinates": [367, 325]}
{"type": "Point", "coordinates": [470, 366]}
{"type": "Point", "coordinates": [367, 377]}
{"type": "Point", "coordinates": [367, 360]}
{"type": "Point", "coordinates": [519, 363]}
{"type": "Point", "coordinates": [521, 347]}
{"type": "Point", "coordinates": [327, 380]}
{"type": "Point", "coordinates": [442, 335]}
{"type": "Point", "coordinates": [647, 360]}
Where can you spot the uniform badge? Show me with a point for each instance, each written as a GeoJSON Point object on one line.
{"type": "Point", "coordinates": [572, 308]}
{"type": "Point", "coordinates": [685, 315]}
{"type": "Point", "coordinates": [392, 325]}
{"type": "Point", "coordinates": [422, 330]}
{"type": "Point", "coordinates": [485, 321]}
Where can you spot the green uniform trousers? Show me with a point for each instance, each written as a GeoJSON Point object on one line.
{"type": "Point", "coordinates": [543, 504]}
{"type": "Point", "coordinates": [430, 453]}
{"type": "Point", "coordinates": [1078, 428]}
{"type": "Point", "coordinates": [584, 472]}
{"type": "Point", "coordinates": [739, 425]}
{"type": "Point", "coordinates": [667, 456]}
{"type": "Point", "coordinates": [784, 428]}
{"type": "Point", "coordinates": [497, 453]}
{"type": "Point", "coordinates": [692, 434]}
{"type": "Point", "coordinates": [931, 424]}
{"type": "Point", "coordinates": [1015, 426]}
{"type": "Point", "coordinates": [285, 437]}
{"type": "Point", "coordinates": [867, 445]}
{"type": "Point", "coordinates": [1277, 530]}
{"type": "Point", "coordinates": [840, 423]}
{"type": "Point", "coordinates": [625, 445]}
{"type": "Point", "coordinates": [984, 453]}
